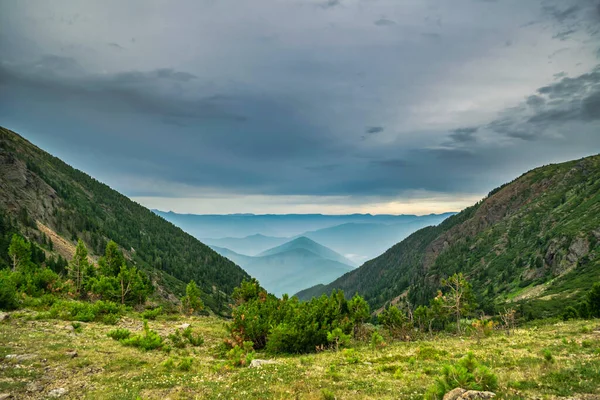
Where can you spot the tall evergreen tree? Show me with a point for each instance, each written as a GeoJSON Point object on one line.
{"type": "Point", "coordinates": [79, 266]}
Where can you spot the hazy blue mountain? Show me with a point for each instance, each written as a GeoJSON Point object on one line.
{"type": "Point", "coordinates": [286, 225]}
{"type": "Point", "coordinates": [357, 237]}
{"type": "Point", "coordinates": [360, 242]}
{"type": "Point", "coordinates": [251, 245]}
{"type": "Point", "coordinates": [288, 269]}
{"type": "Point", "coordinates": [305, 243]}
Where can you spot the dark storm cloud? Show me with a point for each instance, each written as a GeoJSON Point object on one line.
{"type": "Point", "coordinates": [240, 98]}
{"type": "Point", "coordinates": [462, 135]}
{"type": "Point", "coordinates": [566, 100]}
{"type": "Point", "coordinates": [151, 92]}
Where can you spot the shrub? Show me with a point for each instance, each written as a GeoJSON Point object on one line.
{"type": "Point", "coordinates": [8, 291]}
{"type": "Point", "coordinates": [327, 394]}
{"type": "Point", "coordinates": [77, 327]}
{"type": "Point", "coordinates": [338, 338]}
{"type": "Point", "coordinates": [168, 364]}
{"type": "Point", "coordinates": [151, 314]}
{"type": "Point", "coordinates": [570, 313]}
{"type": "Point", "coordinates": [103, 311]}
{"type": "Point", "coordinates": [177, 340]}
{"type": "Point", "coordinates": [119, 334]}
{"type": "Point", "coordinates": [241, 356]}
{"type": "Point", "coordinates": [194, 339]}
{"type": "Point", "coordinates": [185, 364]}
{"type": "Point", "coordinates": [377, 341]}
{"type": "Point", "coordinates": [548, 357]}
{"type": "Point", "coordinates": [149, 340]}
{"type": "Point", "coordinates": [468, 374]}
{"type": "Point", "coordinates": [351, 356]}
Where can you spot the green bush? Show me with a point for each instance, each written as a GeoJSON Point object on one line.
{"type": "Point", "coordinates": [337, 338]}
{"type": "Point", "coordinates": [327, 394]}
{"type": "Point", "coordinates": [149, 340]}
{"type": "Point", "coordinates": [241, 356]}
{"type": "Point", "coordinates": [377, 341]}
{"type": "Point", "coordinates": [103, 311]}
{"type": "Point", "coordinates": [548, 357]}
{"type": "Point", "coordinates": [151, 314]}
{"type": "Point", "coordinates": [287, 325]}
{"type": "Point", "coordinates": [119, 334]}
{"type": "Point", "coordinates": [177, 339]}
{"type": "Point", "coordinates": [8, 291]}
{"type": "Point", "coordinates": [194, 339]}
{"type": "Point", "coordinates": [185, 364]}
{"type": "Point", "coordinates": [468, 374]}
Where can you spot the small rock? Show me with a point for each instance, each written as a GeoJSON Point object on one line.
{"type": "Point", "coordinates": [4, 316]}
{"type": "Point", "coordinates": [184, 326]}
{"type": "Point", "coordinates": [462, 394]}
{"type": "Point", "coordinates": [70, 328]}
{"type": "Point", "coordinates": [71, 353]}
{"type": "Point", "coordinates": [20, 357]}
{"type": "Point", "coordinates": [5, 396]}
{"type": "Point", "coordinates": [34, 387]}
{"type": "Point", "coordinates": [56, 393]}
{"type": "Point", "coordinates": [258, 363]}
{"type": "Point", "coordinates": [454, 394]}
{"type": "Point", "coordinates": [476, 395]}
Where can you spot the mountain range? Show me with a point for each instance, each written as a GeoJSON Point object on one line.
{"type": "Point", "coordinates": [291, 266]}
{"type": "Point", "coordinates": [533, 243]}
{"type": "Point", "coordinates": [357, 237]}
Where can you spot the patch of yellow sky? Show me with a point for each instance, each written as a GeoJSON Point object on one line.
{"type": "Point", "coordinates": [415, 203]}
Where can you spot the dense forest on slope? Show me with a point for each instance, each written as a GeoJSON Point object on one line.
{"type": "Point", "coordinates": [48, 198]}
{"type": "Point", "coordinates": [534, 241]}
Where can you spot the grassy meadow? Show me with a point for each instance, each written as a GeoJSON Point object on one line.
{"type": "Point", "coordinates": [542, 360]}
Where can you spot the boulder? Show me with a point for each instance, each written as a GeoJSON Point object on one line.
{"type": "Point", "coordinates": [454, 394]}
{"type": "Point", "coordinates": [183, 326]}
{"type": "Point", "coordinates": [463, 394]}
{"type": "Point", "coordinates": [259, 363]}
{"type": "Point", "coordinates": [477, 395]}
{"type": "Point", "coordinates": [4, 316]}
{"type": "Point", "coordinates": [5, 396]}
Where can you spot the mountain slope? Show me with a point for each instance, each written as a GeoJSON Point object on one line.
{"type": "Point", "coordinates": [536, 239]}
{"type": "Point", "coordinates": [305, 243]}
{"type": "Point", "coordinates": [41, 189]}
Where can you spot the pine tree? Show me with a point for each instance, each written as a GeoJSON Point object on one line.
{"type": "Point", "coordinates": [19, 252]}
{"type": "Point", "coordinates": [192, 302]}
{"type": "Point", "coordinates": [79, 265]}
{"type": "Point", "coordinates": [459, 297]}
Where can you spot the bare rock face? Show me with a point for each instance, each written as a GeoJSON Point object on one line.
{"type": "Point", "coordinates": [463, 394]}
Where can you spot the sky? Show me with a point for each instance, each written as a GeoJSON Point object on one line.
{"type": "Point", "coordinates": [313, 106]}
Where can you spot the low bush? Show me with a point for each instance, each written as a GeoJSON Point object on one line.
{"type": "Point", "coordinates": [102, 311]}
{"type": "Point", "coordinates": [119, 334]}
{"type": "Point", "coordinates": [194, 339]}
{"type": "Point", "coordinates": [149, 340]}
{"type": "Point", "coordinates": [185, 364]}
{"type": "Point", "coordinates": [241, 356]}
{"type": "Point", "coordinates": [8, 291]}
{"type": "Point", "coordinates": [151, 314]}
{"type": "Point", "coordinates": [468, 374]}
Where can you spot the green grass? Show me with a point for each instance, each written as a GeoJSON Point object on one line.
{"type": "Point", "coordinates": [105, 369]}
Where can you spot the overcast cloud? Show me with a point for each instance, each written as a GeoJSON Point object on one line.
{"type": "Point", "coordinates": [329, 106]}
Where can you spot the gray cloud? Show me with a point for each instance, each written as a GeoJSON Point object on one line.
{"type": "Point", "coordinates": [384, 22]}
{"type": "Point", "coordinates": [240, 99]}
{"type": "Point", "coordinates": [330, 4]}
{"type": "Point", "coordinates": [374, 129]}
{"type": "Point", "coordinates": [464, 134]}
